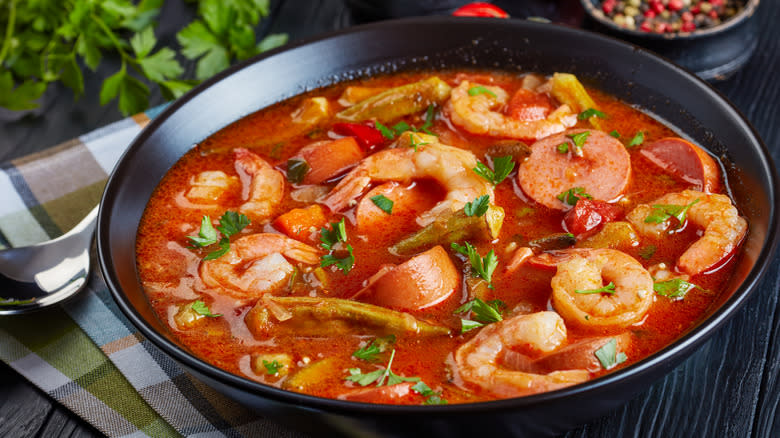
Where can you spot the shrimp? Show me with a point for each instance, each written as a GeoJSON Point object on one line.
{"type": "Point", "coordinates": [427, 158]}
{"type": "Point", "coordinates": [208, 186]}
{"type": "Point", "coordinates": [478, 360]}
{"type": "Point", "coordinates": [263, 186]}
{"type": "Point", "coordinates": [476, 114]}
{"type": "Point", "coordinates": [581, 271]}
{"type": "Point", "coordinates": [723, 227]}
{"type": "Point", "coordinates": [256, 264]}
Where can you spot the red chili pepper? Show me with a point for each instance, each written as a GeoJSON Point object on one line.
{"type": "Point", "coordinates": [366, 136]}
{"type": "Point", "coordinates": [480, 9]}
{"type": "Point", "coordinates": [587, 216]}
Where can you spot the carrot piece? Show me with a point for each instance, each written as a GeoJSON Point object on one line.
{"type": "Point", "coordinates": [298, 222]}
{"type": "Point", "coordinates": [330, 158]}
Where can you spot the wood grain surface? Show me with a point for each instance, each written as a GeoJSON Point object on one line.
{"type": "Point", "coordinates": [730, 387]}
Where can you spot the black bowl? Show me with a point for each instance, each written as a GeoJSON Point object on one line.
{"type": "Point", "coordinates": [712, 53]}
{"type": "Point", "coordinates": [623, 70]}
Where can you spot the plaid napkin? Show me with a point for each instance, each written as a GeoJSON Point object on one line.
{"type": "Point", "coordinates": [84, 353]}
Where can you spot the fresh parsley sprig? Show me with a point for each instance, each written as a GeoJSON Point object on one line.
{"type": "Point", "coordinates": [479, 89]}
{"type": "Point", "coordinates": [662, 212]}
{"type": "Point", "coordinates": [374, 348]}
{"type": "Point", "coordinates": [608, 355]}
{"type": "Point", "coordinates": [399, 128]}
{"type": "Point", "coordinates": [478, 206]}
{"type": "Point", "coordinates": [481, 312]}
{"type": "Point", "coordinates": [574, 194]}
{"type": "Point", "coordinates": [202, 309]}
{"type": "Point", "coordinates": [272, 367]}
{"type": "Point", "coordinates": [674, 288]}
{"type": "Point", "coordinates": [379, 376]}
{"type": "Point", "coordinates": [432, 397]}
{"type": "Point", "coordinates": [383, 203]}
{"type": "Point", "coordinates": [329, 238]}
{"type": "Point", "coordinates": [503, 167]}
{"type": "Point", "coordinates": [482, 267]}
{"type": "Point", "coordinates": [229, 224]}
{"type": "Point", "coordinates": [608, 289]}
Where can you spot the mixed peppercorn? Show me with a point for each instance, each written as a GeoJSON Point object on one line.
{"type": "Point", "coordinates": [670, 16]}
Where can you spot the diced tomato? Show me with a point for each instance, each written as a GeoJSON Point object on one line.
{"type": "Point", "coordinates": [329, 158]}
{"type": "Point", "coordinates": [366, 136]}
{"type": "Point", "coordinates": [527, 106]}
{"type": "Point", "coordinates": [298, 222]}
{"type": "Point", "coordinates": [588, 215]}
{"type": "Point", "coordinates": [480, 9]}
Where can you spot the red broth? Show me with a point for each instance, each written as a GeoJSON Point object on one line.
{"type": "Point", "coordinates": [320, 363]}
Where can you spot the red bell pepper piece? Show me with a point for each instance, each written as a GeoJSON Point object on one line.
{"type": "Point", "coordinates": [480, 9]}
{"type": "Point", "coordinates": [366, 136]}
{"type": "Point", "coordinates": [587, 216]}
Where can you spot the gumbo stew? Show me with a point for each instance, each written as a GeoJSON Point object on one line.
{"type": "Point", "coordinates": [430, 238]}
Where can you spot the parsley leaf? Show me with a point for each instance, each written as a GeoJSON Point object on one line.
{"type": "Point", "coordinates": [579, 138]}
{"type": "Point", "coordinates": [609, 356]}
{"type": "Point", "coordinates": [414, 144]}
{"type": "Point", "coordinates": [371, 351]}
{"type": "Point", "coordinates": [383, 203]}
{"type": "Point", "coordinates": [485, 312]}
{"type": "Point", "coordinates": [614, 133]}
{"type": "Point", "coordinates": [272, 367]}
{"type": "Point", "coordinates": [503, 166]}
{"type": "Point", "coordinates": [474, 91]}
{"type": "Point", "coordinates": [433, 397]}
{"type": "Point", "coordinates": [478, 207]}
{"type": "Point", "coordinates": [206, 236]}
{"type": "Point", "coordinates": [429, 115]}
{"type": "Point", "coordinates": [232, 223]}
{"type": "Point", "coordinates": [662, 212]}
{"type": "Point", "coordinates": [480, 266]}
{"type": "Point", "coordinates": [296, 170]}
{"type": "Point", "coordinates": [608, 289]}
{"type": "Point", "coordinates": [674, 288]}
{"type": "Point", "coordinates": [562, 148]}
{"type": "Point", "coordinates": [638, 139]}
{"type": "Point", "coordinates": [401, 127]}
{"type": "Point", "coordinates": [224, 247]}
{"type": "Point", "coordinates": [573, 195]}
{"type": "Point", "coordinates": [202, 309]}
{"type": "Point", "coordinates": [337, 233]}
{"type": "Point", "coordinates": [590, 112]}
{"type": "Point", "coordinates": [647, 252]}
{"type": "Point", "coordinates": [386, 132]}
{"type": "Point", "coordinates": [344, 263]}
{"type": "Point", "coordinates": [379, 376]}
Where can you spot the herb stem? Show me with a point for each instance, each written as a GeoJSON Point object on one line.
{"type": "Point", "coordinates": [113, 39]}
{"type": "Point", "coordinates": [9, 30]}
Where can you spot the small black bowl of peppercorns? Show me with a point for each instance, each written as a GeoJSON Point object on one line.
{"type": "Point", "coordinates": [712, 38]}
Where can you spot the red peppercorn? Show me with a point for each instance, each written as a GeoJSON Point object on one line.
{"type": "Point", "coordinates": [688, 26]}
{"type": "Point", "coordinates": [607, 7]}
{"type": "Point", "coordinates": [716, 2]}
{"type": "Point", "coordinates": [713, 13]}
{"type": "Point", "coordinates": [645, 27]}
{"type": "Point", "coordinates": [658, 7]}
{"type": "Point", "coordinates": [686, 16]}
{"type": "Point", "coordinates": [695, 9]}
{"type": "Point", "coordinates": [650, 13]}
{"type": "Point", "coordinates": [660, 27]}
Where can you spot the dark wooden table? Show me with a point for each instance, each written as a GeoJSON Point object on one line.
{"type": "Point", "coordinates": [730, 387]}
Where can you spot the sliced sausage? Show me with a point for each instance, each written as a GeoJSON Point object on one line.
{"type": "Point", "coordinates": [400, 393]}
{"type": "Point", "coordinates": [422, 281]}
{"type": "Point", "coordinates": [577, 356]}
{"type": "Point", "coordinates": [527, 105]}
{"type": "Point", "coordinates": [603, 170]}
{"type": "Point", "coordinates": [329, 158]}
{"type": "Point", "coordinates": [684, 161]}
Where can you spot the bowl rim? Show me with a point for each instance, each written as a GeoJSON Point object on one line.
{"type": "Point", "coordinates": [597, 14]}
{"type": "Point", "coordinates": [696, 335]}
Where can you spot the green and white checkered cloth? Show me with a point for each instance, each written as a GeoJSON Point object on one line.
{"type": "Point", "coordinates": [84, 353]}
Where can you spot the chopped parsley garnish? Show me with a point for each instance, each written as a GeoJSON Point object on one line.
{"type": "Point", "coordinates": [609, 356]}
{"type": "Point", "coordinates": [608, 289]}
{"type": "Point", "coordinates": [614, 133]}
{"type": "Point", "coordinates": [573, 195]}
{"type": "Point", "coordinates": [638, 139]}
{"type": "Point", "coordinates": [202, 309]}
{"type": "Point", "coordinates": [579, 138]}
{"type": "Point", "coordinates": [371, 351]}
{"type": "Point", "coordinates": [414, 144]}
{"type": "Point", "coordinates": [344, 263]}
{"type": "Point", "coordinates": [296, 170]}
{"type": "Point", "coordinates": [432, 397]}
{"type": "Point", "coordinates": [429, 115]}
{"type": "Point", "coordinates": [383, 203]}
{"type": "Point", "coordinates": [272, 367]}
{"type": "Point", "coordinates": [662, 212]}
{"type": "Point", "coordinates": [674, 288]}
{"type": "Point", "coordinates": [482, 313]}
{"type": "Point", "coordinates": [562, 148]}
{"type": "Point", "coordinates": [337, 233]}
{"type": "Point", "coordinates": [386, 132]}
{"type": "Point", "coordinates": [647, 252]}
{"type": "Point", "coordinates": [379, 376]}
{"type": "Point", "coordinates": [478, 206]}
{"type": "Point", "coordinates": [503, 167]}
{"type": "Point", "coordinates": [479, 89]}
{"type": "Point", "coordinates": [480, 266]}
{"type": "Point", "coordinates": [401, 127]}
{"type": "Point", "coordinates": [229, 224]}
{"type": "Point", "coordinates": [590, 112]}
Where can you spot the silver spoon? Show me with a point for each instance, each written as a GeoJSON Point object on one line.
{"type": "Point", "coordinates": [36, 276]}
